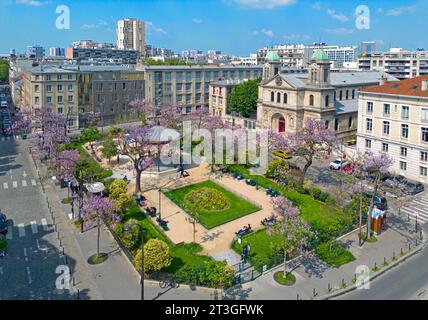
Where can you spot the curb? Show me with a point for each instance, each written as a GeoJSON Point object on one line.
{"type": "Point", "coordinates": [380, 272]}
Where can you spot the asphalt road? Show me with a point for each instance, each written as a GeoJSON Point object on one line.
{"type": "Point", "coordinates": [29, 269]}
{"type": "Point", "coordinates": [405, 282]}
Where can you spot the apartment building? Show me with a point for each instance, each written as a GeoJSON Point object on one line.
{"type": "Point", "coordinates": [299, 55]}
{"type": "Point", "coordinates": [393, 118]}
{"type": "Point", "coordinates": [397, 62]}
{"type": "Point", "coordinates": [123, 56]}
{"type": "Point", "coordinates": [219, 95]}
{"type": "Point", "coordinates": [131, 35]}
{"type": "Point", "coordinates": [51, 86]}
{"type": "Point", "coordinates": [35, 51]}
{"type": "Point", "coordinates": [108, 90]}
{"type": "Point", "coordinates": [188, 86]}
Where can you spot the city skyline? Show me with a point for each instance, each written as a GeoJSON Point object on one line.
{"type": "Point", "coordinates": [189, 24]}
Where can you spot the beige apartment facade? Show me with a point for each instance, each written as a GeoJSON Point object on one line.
{"type": "Point", "coordinates": [393, 118]}
{"type": "Point", "coordinates": [131, 35]}
{"type": "Point", "coordinates": [54, 87]}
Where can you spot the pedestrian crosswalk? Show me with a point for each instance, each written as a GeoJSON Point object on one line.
{"type": "Point", "coordinates": [18, 184]}
{"type": "Point", "coordinates": [22, 230]}
{"type": "Point", "coordinates": [418, 209]}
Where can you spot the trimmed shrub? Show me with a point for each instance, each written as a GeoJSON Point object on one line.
{"type": "Point", "coordinates": [211, 274]}
{"type": "Point", "coordinates": [130, 233]}
{"type": "Point", "coordinates": [156, 256]}
{"type": "Point", "coordinates": [316, 193]}
{"type": "Point", "coordinates": [334, 254]}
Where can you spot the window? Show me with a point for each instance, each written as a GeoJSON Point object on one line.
{"type": "Point", "coordinates": [424, 115]}
{"type": "Point", "coordinates": [36, 100]}
{"type": "Point", "coordinates": [48, 88]}
{"type": "Point", "coordinates": [278, 97]}
{"type": "Point", "coordinates": [423, 171]}
{"type": "Point", "coordinates": [327, 124]}
{"type": "Point", "coordinates": [385, 147]}
{"type": "Point", "coordinates": [386, 127]}
{"type": "Point", "coordinates": [336, 124]}
{"type": "Point", "coordinates": [60, 110]}
{"type": "Point", "coordinates": [386, 109]}
{"type": "Point", "coordinates": [425, 134]}
{"type": "Point", "coordinates": [37, 88]}
{"type": "Point", "coordinates": [340, 95]}
{"type": "Point", "coordinates": [59, 87]}
{"type": "Point", "coordinates": [403, 151]}
{"type": "Point", "coordinates": [123, 86]}
{"type": "Point", "coordinates": [59, 99]}
{"type": "Point", "coordinates": [369, 107]}
{"type": "Point", "coordinates": [350, 122]}
{"type": "Point", "coordinates": [405, 131]}
{"type": "Point", "coordinates": [188, 109]}
{"type": "Point", "coordinates": [272, 97]}
{"type": "Point", "coordinates": [327, 100]}
{"type": "Point", "coordinates": [353, 94]}
{"type": "Point", "coordinates": [70, 77]}
{"type": "Point", "coordinates": [405, 112]}
{"type": "Point", "coordinates": [285, 98]}
{"type": "Point", "coordinates": [424, 156]}
{"type": "Point", "coordinates": [179, 86]}
{"type": "Point", "coordinates": [70, 98]}
{"type": "Point", "coordinates": [311, 100]}
{"type": "Point", "coordinates": [70, 87]}
{"type": "Point", "coordinates": [347, 94]}
{"type": "Point", "coordinates": [369, 125]}
{"type": "Point", "coordinates": [59, 76]}
{"type": "Point", "coordinates": [403, 166]}
{"type": "Point", "coordinates": [48, 77]}
{"type": "Point", "coordinates": [368, 143]}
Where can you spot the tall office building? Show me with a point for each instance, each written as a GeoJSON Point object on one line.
{"type": "Point", "coordinates": [131, 35]}
{"type": "Point", "coordinates": [35, 51]}
{"type": "Point", "coordinates": [368, 47]}
{"type": "Point", "coordinates": [57, 52]}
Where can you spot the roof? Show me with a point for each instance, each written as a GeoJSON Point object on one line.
{"type": "Point", "coordinates": [227, 83]}
{"type": "Point", "coordinates": [320, 55]}
{"type": "Point", "coordinates": [346, 106]}
{"type": "Point", "coordinates": [198, 67]}
{"type": "Point", "coordinates": [272, 56]}
{"type": "Point", "coordinates": [410, 87]}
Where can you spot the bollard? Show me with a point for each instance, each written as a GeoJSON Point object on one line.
{"type": "Point", "coordinates": [329, 287]}
{"type": "Point", "coordinates": [393, 256]}
{"type": "Point", "coordinates": [420, 232]}
{"type": "Point", "coordinates": [298, 297]}
{"type": "Point", "coordinates": [355, 278]}
{"type": "Point", "coordinates": [315, 292]}
{"type": "Point", "coordinates": [410, 247]}
{"type": "Point", "coordinates": [416, 242]}
{"type": "Point", "coordinates": [343, 282]}
{"type": "Point", "coordinates": [74, 281]}
{"type": "Point", "coordinates": [384, 260]}
{"type": "Point", "coordinates": [375, 266]}
{"type": "Point", "coordinates": [78, 294]}
{"type": "Point", "coordinates": [401, 252]}
{"type": "Point", "coordinates": [57, 233]}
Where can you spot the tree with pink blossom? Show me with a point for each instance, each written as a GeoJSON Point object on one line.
{"type": "Point", "coordinates": [99, 210]}
{"type": "Point", "coordinates": [138, 149]}
{"type": "Point", "coordinates": [312, 141]}
{"type": "Point", "coordinates": [289, 225]}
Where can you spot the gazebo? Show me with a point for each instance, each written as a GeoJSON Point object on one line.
{"type": "Point", "coordinates": [159, 136]}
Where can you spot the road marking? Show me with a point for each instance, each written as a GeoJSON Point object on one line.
{"type": "Point", "coordinates": [15, 184]}
{"type": "Point", "coordinates": [70, 216]}
{"type": "Point", "coordinates": [45, 225]}
{"type": "Point", "coordinates": [34, 227]}
{"type": "Point", "coordinates": [9, 233]}
{"type": "Point", "coordinates": [24, 174]}
{"type": "Point", "coordinates": [33, 182]}
{"type": "Point", "coordinates": [21, 230]}
{"type": "Point", "coordinates": [5, 185]}
{"type": "Point", "coordinates": [24, 183]}
{"type": "Point", "coordinates": [30, 281]}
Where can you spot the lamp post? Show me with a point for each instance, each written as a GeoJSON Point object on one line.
{"type": "Point", "coordinates": [160, 203]}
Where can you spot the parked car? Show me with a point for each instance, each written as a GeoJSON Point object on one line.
{"type": "Point", "coordinates": [380, 202]}
{"type": "Point", "coordinates": [413, 188]}
{"type": "Point", "coordinates": [348, 168]}
{"type": "Point", "coordinates": [283, 154]}
{"type": "Point", "coordinates": [338, 164]}
{"type": "Point", "coordinates": [394, 181]}
{"type": "Point", "coordinates": [3, 224]}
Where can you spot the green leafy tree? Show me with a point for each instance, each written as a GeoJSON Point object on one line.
{"type": "Point", "coordinates": [244, 97]}
{"type": "Point", "coordinates": [90, 135]}
{"type": "Point", "coordinates": [4, 70]}
{"type": "Point", "coordinates": [156, 256]}
{"type": "Point", "coordinates": [109, 149]}
{"type": "Point", "coordinates": [118, 192]}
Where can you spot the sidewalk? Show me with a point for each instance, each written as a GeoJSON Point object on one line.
{"type": "Point", "coordinates": [314, 278]}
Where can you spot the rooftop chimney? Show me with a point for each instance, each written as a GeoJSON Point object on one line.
{"type": "Point", "coordinates": [383, 79]}
{"type": "Point", "coordinates": [424, 85]}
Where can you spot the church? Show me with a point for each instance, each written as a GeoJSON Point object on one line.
{"type": "Point", "coordinates": [287, 97]}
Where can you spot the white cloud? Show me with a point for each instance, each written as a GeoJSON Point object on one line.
{"type": "Point", "coordinates": [395, 12]}
{"type": "Point", "coordinates": [337, 16]}
{"type": "Point", "coordinates": [152, 27]}
{"type": "Point", "coordinates": [34, 3]}
{"type": "Point", "coordinates": [254, 33]}
{"type": "Point", "coordinates": [197, 20]}
{"type": "Point", "coordinates": [264, 4]}
{"type": "Point", "coordinates": [340, 31]}
{"type": "Point", "coordinates": [99, 24]}
{"type": "Point", "coordinates": [268, 33]}
{"type": "Point", "coordinates": [294, 36]}
{"type": "Point", "coordinates": [316, 6]}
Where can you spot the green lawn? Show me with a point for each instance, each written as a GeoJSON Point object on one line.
{"type": "Point", "coordinates": [237, 208]}
{"type": "Point", "coordinates": [334, 254]}
{"type": "Point", "coordinates": [185, 254]}
{"type": "Point", "coordinates": [327, 221]}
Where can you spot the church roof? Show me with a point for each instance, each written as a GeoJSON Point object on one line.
{"type": "Point", "coordinates": [320, 55]}
{"type": "Point", "coordinates": [272, 56]}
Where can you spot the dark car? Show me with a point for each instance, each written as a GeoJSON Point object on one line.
{"type": "Point", "coordinates": [413, 188]}
{"type": "Point", "coordinates": [3, 224]}
{"type": "Point", "coordinates": [380, 202]}
{"type": "Point", "coordinates": [395, 182]}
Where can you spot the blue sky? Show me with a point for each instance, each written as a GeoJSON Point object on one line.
{"type": "Point", "coordinates": [233, 26]}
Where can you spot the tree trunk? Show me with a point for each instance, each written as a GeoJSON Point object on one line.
{"type": "Point", "coordinates": [285, 263]}
{"type": "Point", "coordinates": [98, 240]}
{"type": "Point", "coordinates": [304, 171]}
{"type": "Point", "coordinates": [138, 181]}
